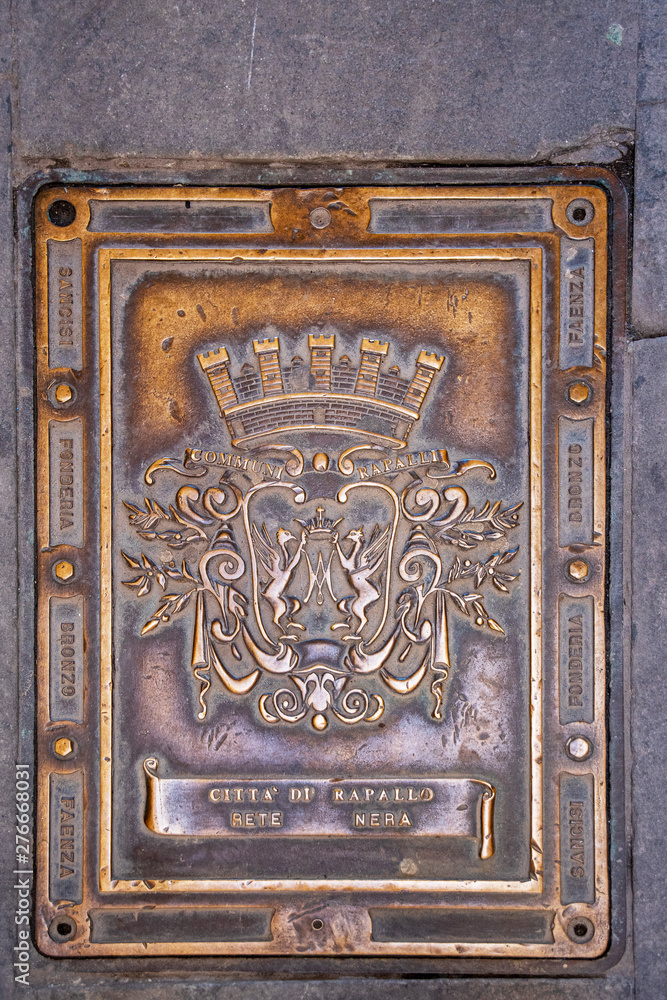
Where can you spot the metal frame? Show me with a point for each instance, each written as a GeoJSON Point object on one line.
{"type": "Point", "coordinates": [618, 272]}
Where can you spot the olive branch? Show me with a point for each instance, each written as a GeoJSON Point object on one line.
{"type": "Point", "coordinates": [146, 520]}
{"type": "Point", "coordinates": [150, 573]}
{"type": "Point", "coordinates": [481, 571]}
{"type": "Point", "coordinates": [471, 527]}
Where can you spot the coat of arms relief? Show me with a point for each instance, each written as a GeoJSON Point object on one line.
{"type": "Point", "coordinates": [322, 563]}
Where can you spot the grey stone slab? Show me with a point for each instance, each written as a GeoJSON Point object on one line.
{"type": "Point", "coordinates": [651, 64]}
{"type": "Point", "coordinates": [619, 988]}
{"type": "Point", "coordinates": [311, 81]}
{"type": "Point", "coordinates": [304, 79]}
{"type": "Point", "coordinates": [649, 655]}
{"type": "Point", "coordinates": [8, 535]}
{"type": "Point", "coordinates": [93, 978]}
{"type": "Point", "coordinates": [649, 269]}
{"type": "Point", "coordinates": [649, 295]}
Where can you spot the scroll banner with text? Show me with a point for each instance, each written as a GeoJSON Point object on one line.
{"type": "Point", "coordinates": [207, 807]}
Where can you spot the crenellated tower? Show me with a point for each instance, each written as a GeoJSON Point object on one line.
{"type": "Point", "coordinates": [372, 353]}
{"type": "Point", "coordinates": [269, 366]}
{"type": "Point", "coordinates": [321, 353]}
{"type": "Point", "coordinates": [216, 366]}
{"type": "Point", "coordinates": [427, 366]}
{"type": "Point", "coordinates": [337, 398]}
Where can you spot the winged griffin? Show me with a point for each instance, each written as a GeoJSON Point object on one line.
{"type": "Point", "coordinates": [362, 562]}
{"type": "Point", "coordinates": [279, 565]}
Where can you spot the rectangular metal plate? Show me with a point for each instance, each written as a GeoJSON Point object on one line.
{"type": "Point", "coordinates": [321, 573]}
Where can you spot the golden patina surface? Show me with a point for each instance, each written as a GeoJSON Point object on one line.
{"type": "Point", "coordinates": [321, 513]}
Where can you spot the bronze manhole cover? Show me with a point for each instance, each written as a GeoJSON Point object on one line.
{"type": "Point", "coordinates": [321, 535]}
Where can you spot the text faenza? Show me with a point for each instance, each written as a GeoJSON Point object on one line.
{"type": "Point", "coordinates": [575, 325]}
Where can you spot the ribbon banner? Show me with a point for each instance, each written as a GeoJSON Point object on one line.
{"type": "Point", "coordinates": [208, 807]}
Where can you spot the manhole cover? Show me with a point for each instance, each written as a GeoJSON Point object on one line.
{"type": "Point", "coordinates": [321, 536]}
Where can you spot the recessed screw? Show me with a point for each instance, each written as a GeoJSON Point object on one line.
{"type": "Point", "coordinates": [63, 393]}
{"type": "Point", "coordinates": [578, 569]}
{"type": "Point", "coordinates": [62, 929]}
{"type": "Point", "coordinates": [580, 212]}
{"type": "Point", "coordinates": [317, 924]}
{"type": "Point", "coordinates": [320, 218]}
{"type": "Point", "coordinates": [579, 748]}
{"type": "Point", "coordinates": [63, 747]}
{"type": "Point", "coordinates": [579, 393]}
{"type": "Point", "coordinates": [61, 213]}
{"type": "Point", "coordinates": [580, 929]}
{"type": "Point", "coordinates": [64, 571]}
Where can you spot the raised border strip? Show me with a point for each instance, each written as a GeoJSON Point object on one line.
{"type": "Point", "coordinates": [66, 639]}
{"type": "Point", "coordinates": [577, 839]}
{"type": "Point", "coordinates": [460, 215]}
{"type": "Point", "coordinates": [65, 304]}
{"type": "Point", "coordinates": [66, 482]}
{"type": "Point", "coordinates": [66, 837]}
{"type": "Point", "coordinates": [445, 924]}
{"type": "Point", "coordinates": [576, 628]}
{"type": "Point", "coordinates": [180, 216]}
{"type": "Point", "coordinates": [181, 924]}
{"type": "Point", "coordinates": [575, 481]}
{"type": "Point", "coordinates": [577, 299]}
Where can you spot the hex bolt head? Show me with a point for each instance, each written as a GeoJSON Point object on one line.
{"type": "Point", "coordinates": [579, 748]}
{"type": "Point", "coordinates": [64, 571]}
{"type": "Point", "coordinates": [579, 393]}
{"type": "Point", "coordinates": [63, 393]}
{"type": "Point", "coordinates": [63, 746]}
{"type": "Point", "coordinates": [578, 569]}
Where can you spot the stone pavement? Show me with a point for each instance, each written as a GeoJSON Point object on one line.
{"type": "Point", "coordinates": [169, 89]}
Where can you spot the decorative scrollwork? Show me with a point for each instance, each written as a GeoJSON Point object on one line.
{"type": "Point", "coordinates": [437, 690]}
{"type": "Point", "coordinates": [174, 465]}
{"type": "Point", "coordinates": [424, 497]}
{"type": "Point", "coordinates": [387, 584]}
{"type": "Point", "coordinates": [355, 706]}
{"type": "Point", "coordinates": [216, 496]}
{"type": "Point", "coordinates": [287, 705]}
{"type": "Point", "coordinates": [460, 468]}
{"type": "Point", "coordinates": [293, 465]}
{"type": "Point", "coordinates": [345, 463]}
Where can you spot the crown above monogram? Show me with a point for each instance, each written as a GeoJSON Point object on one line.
{"type": "Point", "coordinates": [322, 396]}
{"type": "Point", "coordinates": [320, 524]}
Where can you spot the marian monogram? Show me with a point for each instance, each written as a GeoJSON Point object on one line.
{"type": "Point", "coordinates": [322, 567]}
